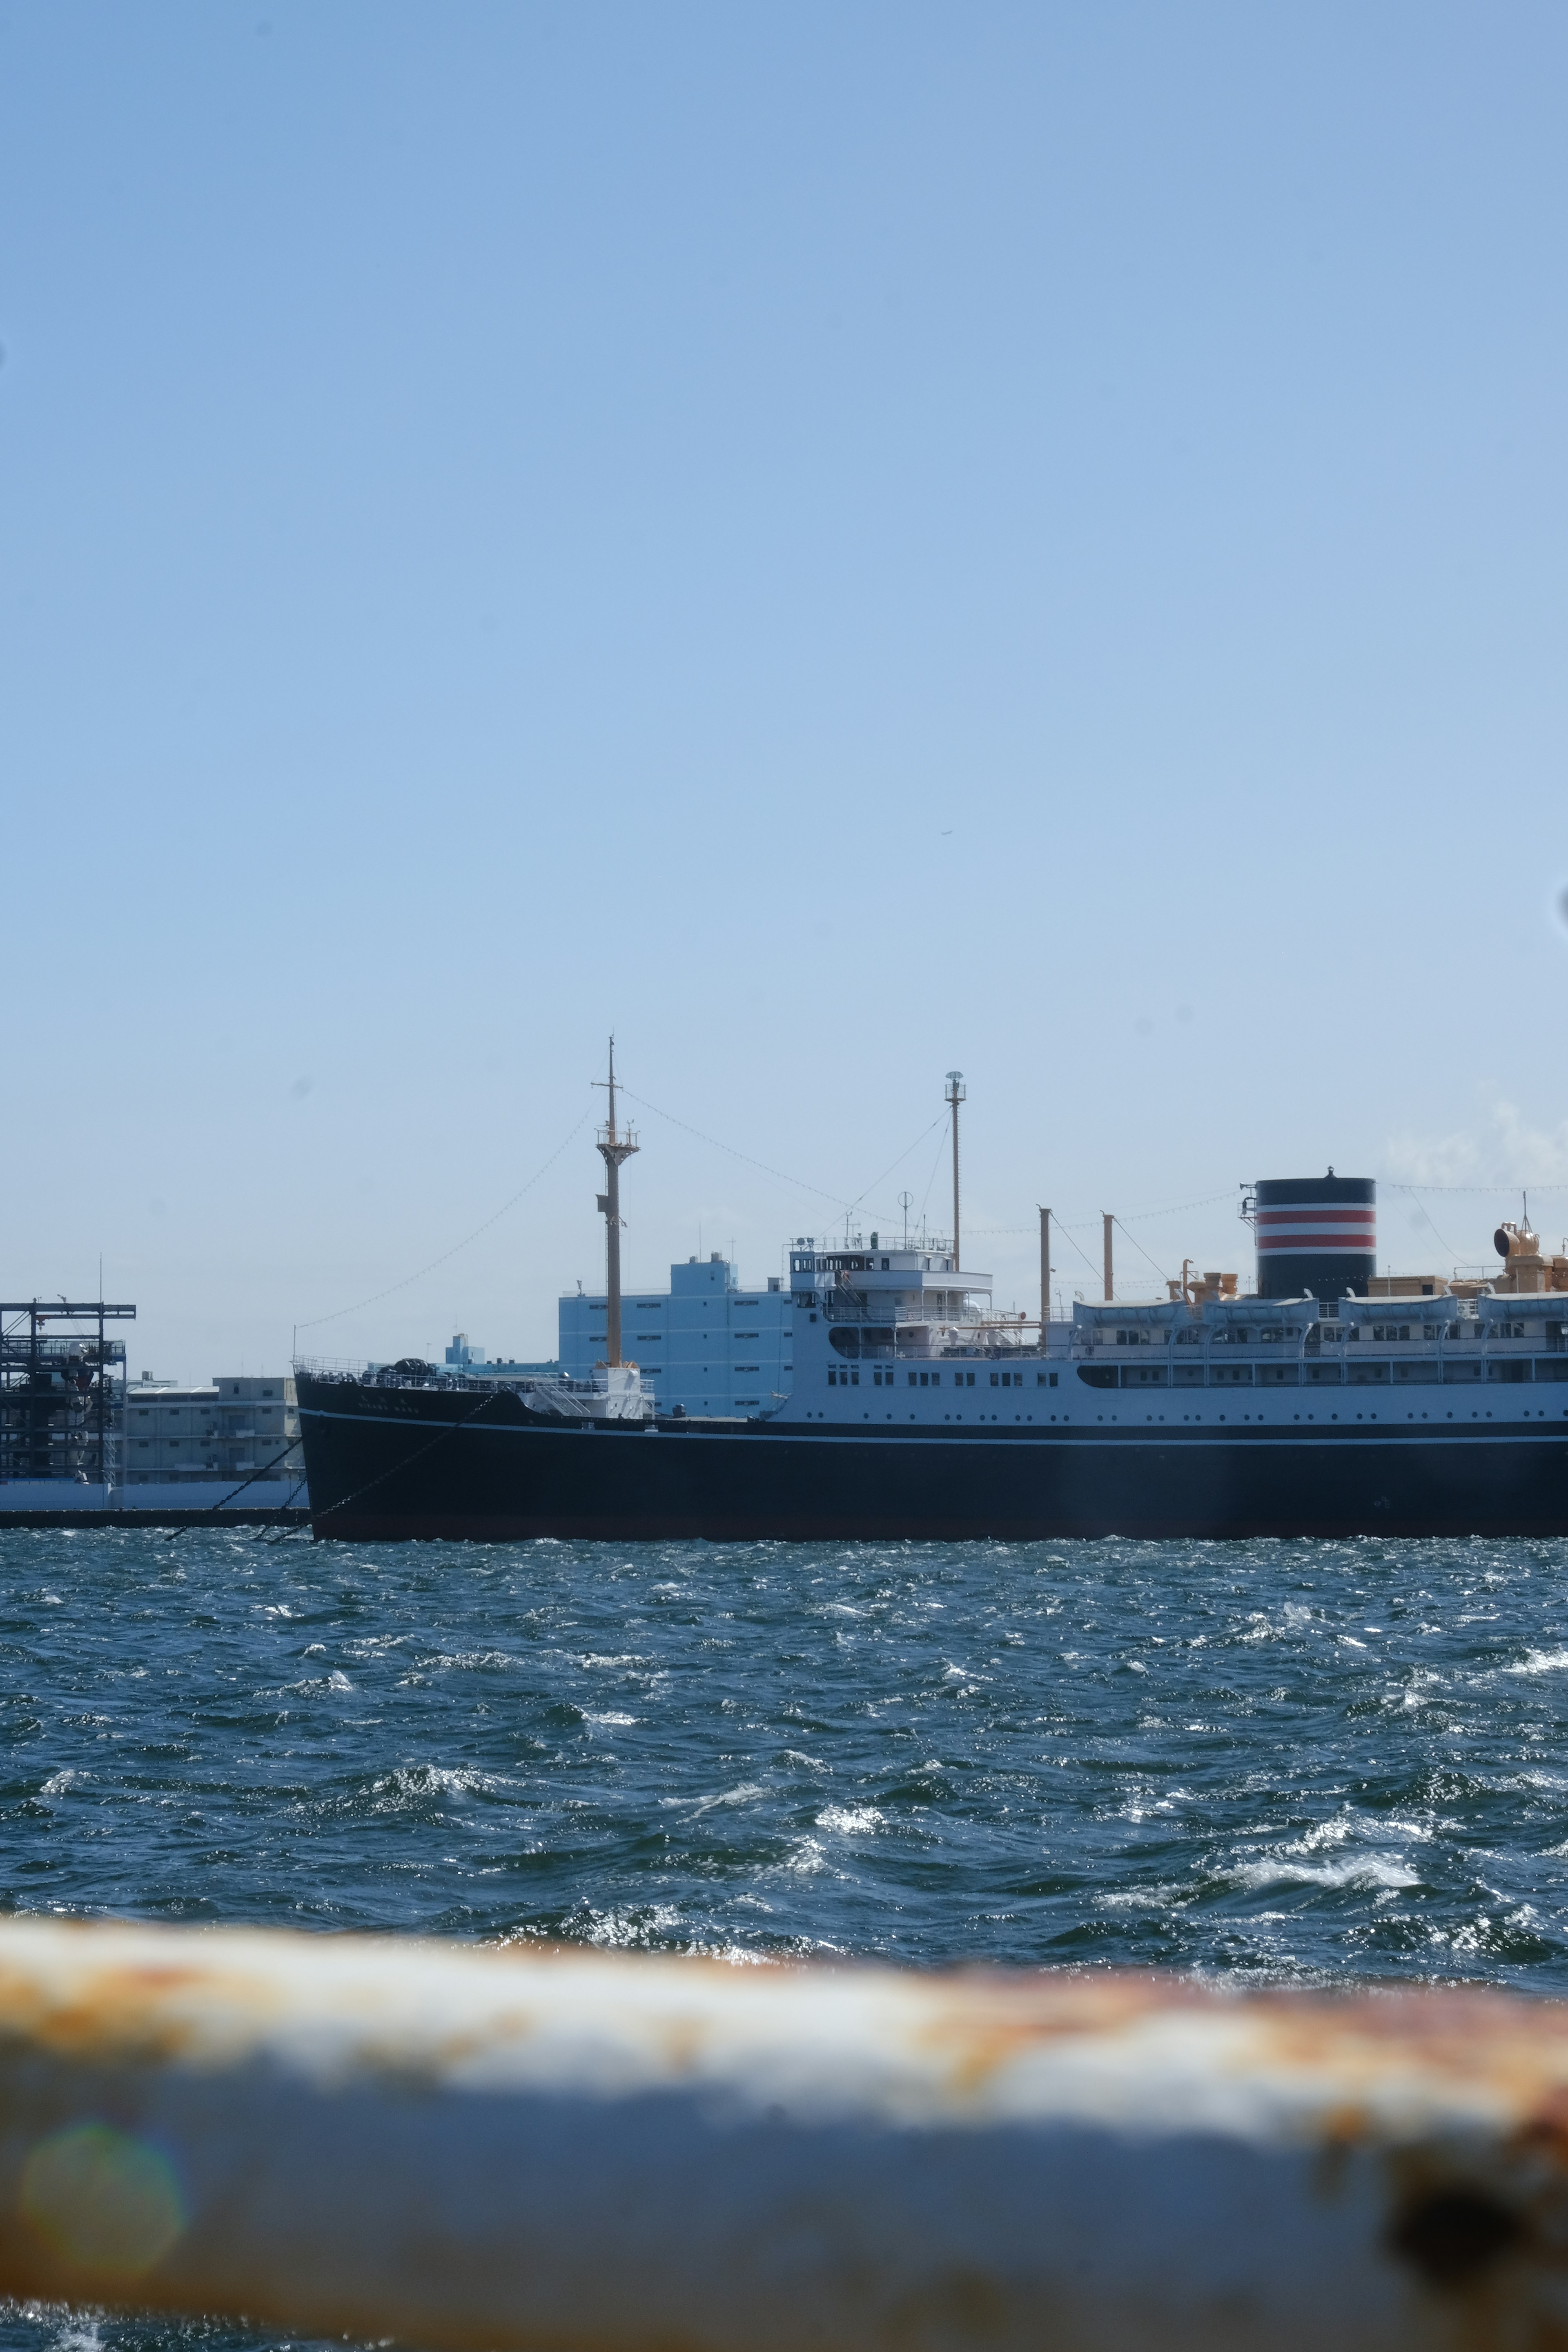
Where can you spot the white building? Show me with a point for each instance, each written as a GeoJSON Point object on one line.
{"type": "Point", "coordinates": [704, 1344]}
{"type": "Point", "coordinates": [232, 1431]}
{"type": "Point", "coordinates": [463, 1356]}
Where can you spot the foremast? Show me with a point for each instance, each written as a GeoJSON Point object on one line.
{"type": "Point", "coordinates": [614, 1147]}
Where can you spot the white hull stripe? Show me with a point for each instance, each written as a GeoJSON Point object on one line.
{"type": "Point", "coordinates": [1261, 1432]}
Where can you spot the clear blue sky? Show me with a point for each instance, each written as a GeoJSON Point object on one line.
{"type": "Point", "coordinates": [838, 541]}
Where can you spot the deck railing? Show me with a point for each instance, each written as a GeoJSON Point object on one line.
{"type": "Point", "coordinates": [467, 2148]}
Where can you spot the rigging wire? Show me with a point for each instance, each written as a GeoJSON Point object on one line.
{"type": "Point", "coordinates": [795, 1182]}
{"type": "Point", "coordinates": [897, 1163]}
{"type": "Point", "coordinates": [1390, 1186]}
{"type": "Point", "coordinates": [1446, 1246]}
{"type": "Point", "coordinates": [1141, 1216]}
{"type": "Point", "coordinates": [1078, 1245]}
{"type": "Point", "coordinates": [1138, 1217]}
{"type": "Point", "coordinates": [1142, 1252]}
{"type": "Point", "coordinates": [935, 1164]}
{"type": "Point", "coordinates": [315, 1321]}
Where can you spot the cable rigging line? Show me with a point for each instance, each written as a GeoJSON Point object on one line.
{"type": "Point", "coordinates": [1057, 1227]}
{"type": "Point", "coordinates": [315, 1321]}
{"type": "Point", "coordinates": [897, 1163]}
{"type": "Point", "coordinates": [935, 1164]}
{"type": "Point", "coordinates": [1139, 1246]}
{"type": "Point", "coordinates": [1138, 1217]}
{"type": "Point", "coordinates": [795, 1182]}
{"type": "Point", "coordinates": [1391, 1186]}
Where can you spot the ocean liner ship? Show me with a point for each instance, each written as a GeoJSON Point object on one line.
{"type": "Point", "coordinates": [1331, 1402]}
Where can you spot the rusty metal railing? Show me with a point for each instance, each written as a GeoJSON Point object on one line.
{"type": "Point", "coordinates": [473, 2149]}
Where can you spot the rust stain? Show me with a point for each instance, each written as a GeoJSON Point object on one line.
{"type": "Point", "coordinates": [124, 2010]}
{"type": "Point", "coordinates": [971, 2024]}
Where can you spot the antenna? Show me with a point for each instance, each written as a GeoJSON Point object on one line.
{"type": "Point", "coordinates": [614, 1147]}
{"type": "Point", "coordinates": [956, 1093]}
{"type": "Point", "coordinates": [906, 1202]}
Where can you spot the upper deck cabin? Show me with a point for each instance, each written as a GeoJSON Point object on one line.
{"type": "Point", "coordinates": [1281, 1343]}
{"type": "Point", "coordinates": [898, 1286]}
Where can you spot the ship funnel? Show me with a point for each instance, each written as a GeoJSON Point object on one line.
{"type": "Point", "coordinates": [1317, 1236]}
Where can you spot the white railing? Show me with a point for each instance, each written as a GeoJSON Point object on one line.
{"type": "Point", "coordinates": [523, 2148]}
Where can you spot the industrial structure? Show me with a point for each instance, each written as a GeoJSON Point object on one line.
{"type": "Point", "coordinates": [78, 1441]}
{"type": "Point", "coordinates": [62, 1380]}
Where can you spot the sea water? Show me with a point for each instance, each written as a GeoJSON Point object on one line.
{"type": "Point", "coordinates": [1277, 1762]}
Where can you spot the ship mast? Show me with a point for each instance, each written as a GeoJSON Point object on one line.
{"type": "Point", "coordinates": [956, 1093]}
{"type": "Point", "coordinates": [614, 1147]}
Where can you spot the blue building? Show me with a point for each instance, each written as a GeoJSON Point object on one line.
{"type": "Point", "coordinates": [704, 1343]}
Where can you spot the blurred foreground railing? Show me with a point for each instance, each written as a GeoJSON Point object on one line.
{"type": "Point", "coordinates": [474, 2149]}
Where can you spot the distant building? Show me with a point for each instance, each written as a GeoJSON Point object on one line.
{"type": "Point", "coordinates": [706, 1344]}
{"type": "Point", "coordinates": [463, 1357]}
{"type": "Point", "coordinates": [233, 1430]}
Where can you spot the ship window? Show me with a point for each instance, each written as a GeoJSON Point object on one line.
{"type": "Point", "coordinates": [911, 1379]}
{"type": "Point", "coordinates": [993, 1380]}
{"type": "Point", "coordinates": [887, 1265]}
{"type": "Point", "coordinates": [925, 1379]}
{"type": "Point", "coordinates": [832, 1378]}
{"type": "Point", "coordinates": [855, 1379]}
{"type": "Point", "coordinates": [971, 1379]}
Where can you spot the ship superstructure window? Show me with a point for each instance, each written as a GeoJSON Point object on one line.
{"type": "Point", "coordinates": [1391, 1330]}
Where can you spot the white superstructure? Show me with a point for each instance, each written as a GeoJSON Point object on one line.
{"type": "Point", "coordinates": [902, 1335]}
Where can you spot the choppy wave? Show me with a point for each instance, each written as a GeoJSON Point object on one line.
{"type": "Point", "coordinates": [1286, 1761]}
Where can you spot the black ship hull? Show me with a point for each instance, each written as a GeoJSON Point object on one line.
{"type": "Point", "coordinates": [387, 1464]}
